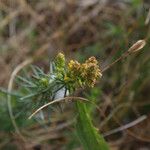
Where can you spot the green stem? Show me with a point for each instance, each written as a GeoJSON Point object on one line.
{"type": "Point", "coordinates": [88, 134]}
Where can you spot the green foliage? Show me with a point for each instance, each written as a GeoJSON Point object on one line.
{"type": "Point", "coordinates": [93, 95]}
{"type": "Point", "coordinates": [38, 89]}
{"type": "Point", "coordinates": [88, 134]}
{"type": "Point", "coordinates": [136, 3]}
{"type": "Point", "coordinates": [6, 124]}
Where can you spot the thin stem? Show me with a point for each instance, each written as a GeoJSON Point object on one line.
{"type": "Point", "coordinates": [124, 127]}
{"type": "Point", "coordinates": [124, 55]}
{"type": "Point", "coordinates": [134, 48]}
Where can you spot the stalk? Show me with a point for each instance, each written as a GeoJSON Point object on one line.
{"type": "Point", "coordinates": [87, 133]}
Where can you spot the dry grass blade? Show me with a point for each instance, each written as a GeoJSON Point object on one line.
{"type": "Point", "coordinates": [147, 18]}
{"type": "Point", "coordinates": [57, 101]}
{"type": "Point", "coordinates": [129, 125]}
{"type": "Point", "coordinates": [8, 19]}
{"type": "Point", "coordinates": [10, 86]}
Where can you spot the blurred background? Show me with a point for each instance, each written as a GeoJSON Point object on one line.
{"type": "Point", "coordinates": [80, 28]}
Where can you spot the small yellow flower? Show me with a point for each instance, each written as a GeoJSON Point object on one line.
{"type": "Point", "coordinates": [66, 78]}
{"type": "Point", "coordinates": [91, 71]}
{"type": "Point", "coordinates": [92, 60]}
{"type": "Point", "coordinates": [73, 64]}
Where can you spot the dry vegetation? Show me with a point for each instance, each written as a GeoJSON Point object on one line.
{"type": "Point", "coordinates": [37, 29]}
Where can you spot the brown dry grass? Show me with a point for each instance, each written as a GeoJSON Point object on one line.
{"type": "Point", "coordinates": [38, 29]}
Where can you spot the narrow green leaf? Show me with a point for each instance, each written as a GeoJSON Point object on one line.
{"type": "Point", "coordinates": [88, 134]}
{"type": "Point", "coordinates": [29, 96]}
{"type": "Point", "coordinates": [16, 94]}
{"type": "Point", "coordinates": [26, 80]}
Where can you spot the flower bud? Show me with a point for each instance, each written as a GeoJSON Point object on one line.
{"type": "Point", "coordinates": [60, 60]}
{"type": "Point", "coordinates": [137, 46]}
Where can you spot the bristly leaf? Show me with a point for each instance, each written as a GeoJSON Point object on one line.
{"type": "Point", "coordinates": [16, 94]}
{"type": "Point", "coordinates": [29, 96]}
{"type": "Point", "coordinates": [29, 82]}
{"type": "Point", "coordinates": [37, 71]}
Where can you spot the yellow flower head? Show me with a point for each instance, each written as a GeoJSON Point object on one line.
{"type": "Point", "coordinates": [73, 65]}
{"type": "Point", "coordinates": [76, 74]}
{"type": "Point", "coordinates": [84, 74]}
{"type": "Point", "coordinates": [91, 71]}
{"type": "Point", "coordinates": [92, 60]}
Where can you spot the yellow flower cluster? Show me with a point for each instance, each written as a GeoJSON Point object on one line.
{"type": "Point", "coordinates": [84, 74]}
{"type": "Point", "coordinates": [77, 74]}
{"type": "Point", "coordinates": [91, 71]}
